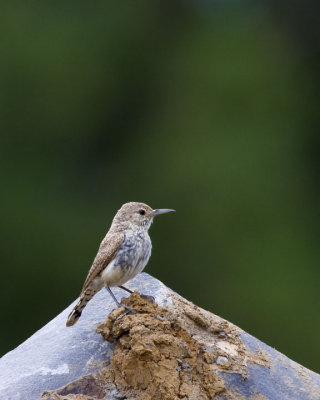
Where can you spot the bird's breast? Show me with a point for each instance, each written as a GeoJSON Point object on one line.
{"type": "Point", "coordinates": [132, 257]}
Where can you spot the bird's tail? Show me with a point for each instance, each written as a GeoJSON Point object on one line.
{"type": "Point", "coordinates": [75, 314]}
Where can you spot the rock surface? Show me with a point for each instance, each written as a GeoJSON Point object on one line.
{"type": "Point", "coordinates": [170, 349]}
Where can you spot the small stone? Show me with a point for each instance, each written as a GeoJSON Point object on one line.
{"type": "Point", "coordinates": [223, 361]}
{"type": "Point", "coordinates": [186, 366]}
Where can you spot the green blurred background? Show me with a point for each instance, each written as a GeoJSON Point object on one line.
{"type": "Point", "coordinates": [211, 108]}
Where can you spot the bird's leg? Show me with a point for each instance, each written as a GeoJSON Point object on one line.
{"type": "Point", "coordinates": [114, 297]}
{"type": "Point", "coordinates": [126, 289]}
{"type": "Point", "coordinates": [144, 296]}
{"type": "Point", "coordinates": [118, 304]}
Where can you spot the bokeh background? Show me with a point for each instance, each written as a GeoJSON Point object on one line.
{"type": "Point", "coordinates": [208, 107]}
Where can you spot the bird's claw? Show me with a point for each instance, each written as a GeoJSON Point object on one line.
{"type": "Point", "coordinates": [129, 310]}
{"type": "Point", "coordinates": [147, 297]}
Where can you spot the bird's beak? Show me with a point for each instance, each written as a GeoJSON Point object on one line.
{"type": "Point", "coordinates": [161, 211]}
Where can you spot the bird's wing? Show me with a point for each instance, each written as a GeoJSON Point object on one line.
{"type": "Point", "coordinates": [107, 250]}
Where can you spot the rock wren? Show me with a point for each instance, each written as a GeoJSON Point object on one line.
{"type": "Point", "coordinates": [123, 253]}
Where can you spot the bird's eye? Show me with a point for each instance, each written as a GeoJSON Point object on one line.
{"type": "Point", "coordinates": [142, 212]}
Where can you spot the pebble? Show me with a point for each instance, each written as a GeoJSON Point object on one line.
{"type": "Point", "coordinates": [223, 361]}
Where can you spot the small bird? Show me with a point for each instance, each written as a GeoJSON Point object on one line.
{"type": "Point", "coordinates": [123, 253]}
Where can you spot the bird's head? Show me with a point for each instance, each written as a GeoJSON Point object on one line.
{"type": "Point", "coordinates": [136, 215]}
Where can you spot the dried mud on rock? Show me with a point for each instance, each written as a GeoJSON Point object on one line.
{"type": "Point", "coordinates": [167, 353]}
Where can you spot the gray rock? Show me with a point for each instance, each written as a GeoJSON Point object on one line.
{"type": "Point", "coordinates": [56, 356]}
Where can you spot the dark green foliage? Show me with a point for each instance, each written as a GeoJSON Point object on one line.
{"type": "Point", "coordinates": [210, 110]}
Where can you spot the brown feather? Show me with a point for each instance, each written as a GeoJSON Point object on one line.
{"type": "Point", "coordinates": [107, 250]}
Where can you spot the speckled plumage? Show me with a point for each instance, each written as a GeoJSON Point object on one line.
{"type": "Point", "coordinates": [123, 253]}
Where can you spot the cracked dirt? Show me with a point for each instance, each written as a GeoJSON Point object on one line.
{"type": "Point", "coordinates": [164, 354]}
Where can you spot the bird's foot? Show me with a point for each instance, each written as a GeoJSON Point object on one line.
{"type": "Point", "coordinates": [129, 310]}
{"type": "Point", "coordinates": [147, 297]}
